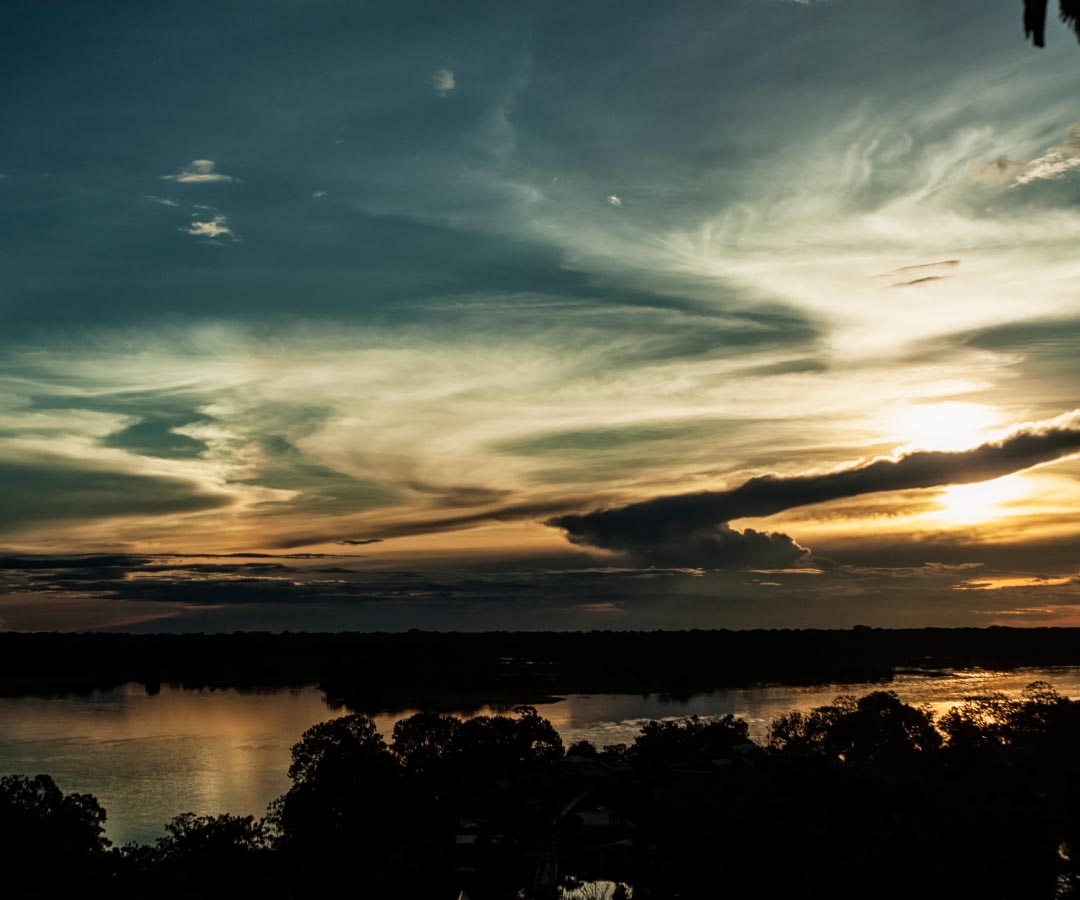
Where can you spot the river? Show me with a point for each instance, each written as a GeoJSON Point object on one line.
{"type": "Point", "coordinates": [150, 756]}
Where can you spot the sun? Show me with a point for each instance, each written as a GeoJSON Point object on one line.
{"type": "Point", "coordinates": [944, 426]}
{"type": "Point", "coordinates": [970, 504]}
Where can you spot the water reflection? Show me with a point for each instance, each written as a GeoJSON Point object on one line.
{"type": "Point", "coordinates": [148, 757]}
{"type": "Point", "coordinates": [610, 719]}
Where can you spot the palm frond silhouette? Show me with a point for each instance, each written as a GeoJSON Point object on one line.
{"type": "Point", "coordinates": [1035, 19]}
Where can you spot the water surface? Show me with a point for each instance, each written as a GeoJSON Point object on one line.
{"type": "Point", "coordinates": [149, 757]}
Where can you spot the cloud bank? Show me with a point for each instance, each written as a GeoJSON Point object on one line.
{"type": "Point", "coordinates": [694, 529]}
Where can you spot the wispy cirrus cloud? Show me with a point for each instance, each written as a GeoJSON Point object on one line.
{"type": "Point", "coordinates": [475, 336]}
{"type": "Point", "coordinates": [1056, 163]}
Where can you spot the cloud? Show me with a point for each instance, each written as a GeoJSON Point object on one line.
{"type": "Point", "coordinates": [432, 524]}
{"type": "Point", "coordinates": [614, 199]}
{"type": "Point", "coordinates": [926, 279]}
{"type": "Point", "coordinates": [714, 546]}
{"type": "Point", "coordinates": [997, 171]}
{"type": "Point", "coordinates": [198, 171]}
{"type": "Point", "coordinates": [361, 543]}
{"type": "Point", "coordinates": [56, 489]}
{"type": "Point", "coordinates": [694, 529]}
{"type": "Point", "coordinates": [940, 264]}
{"type": "Point", "coordinates": [1005, 583]}
{"type": "Point", "coordinates": [443, 81]}
{"type": "Point", "coordinates": [217, 226]}
{"type": "Point", "coordinates": [217, 584]}
{"type": "Point", "coordinates": [77, 561]}
{"type": "Point", "coordinates": [164, 201]}
{"type": "Point", "coordinates": [1056, 163]}
{"type": "Point", "coordinates": [318, 194]}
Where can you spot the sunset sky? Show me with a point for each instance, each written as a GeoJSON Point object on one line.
{"type": "Point", "coordinates": [737, 313]}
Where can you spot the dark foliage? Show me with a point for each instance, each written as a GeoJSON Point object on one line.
{"type": "Point", "coordinates": [1035, 18]}
{"type": "Point", "coordinates": [877, 728]}
{"type": "Point", "coordinates": [45, 832]}
{"type": "Point", "coordinates": [860, 797]}
{"type": "Point", "coordinates": [202, 856]}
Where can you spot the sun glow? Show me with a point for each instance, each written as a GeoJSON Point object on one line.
{"type": "Point", "coordinates": [969, 504]}
{"type": "Point", "coordinates": [944, 426]}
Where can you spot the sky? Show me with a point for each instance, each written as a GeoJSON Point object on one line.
{"type": "Point", "coordinates": [353, 315]}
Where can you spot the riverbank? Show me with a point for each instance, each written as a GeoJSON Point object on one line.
{"type": "Point", "coordinates": [382, 671]}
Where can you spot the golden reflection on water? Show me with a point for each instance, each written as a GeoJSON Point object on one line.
{"type": "Point", "coordinates": [148, 757]}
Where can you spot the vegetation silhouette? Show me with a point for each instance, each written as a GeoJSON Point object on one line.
{"type": "Point", "coordinates": [48, 837]}
{"type": "Point", "coordinates": [200, 856]}
{"type": "Point", "coordinates": [456, 671]}
{"type": "Point", "coordinates": [877, 728]}
{"type": "Point", "coordinates": [1035, 18]}
{"type": "Point", "coordinates": [861, 797]}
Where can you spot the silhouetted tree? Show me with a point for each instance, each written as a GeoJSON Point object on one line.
{"type": "Point", "coordinates": [882, 729]}
{"type": "Point", "coordinates": [806, 733]}
{"type": "Point", "coordinates": [488, 747]}
{"type": "Point", "coordinates": [425, 743]}
{"type": "Point", "coordinates": [875, 728]}
{"type": "Point", "coordinates": [48, 839]}
{"type": "Point", "coordinates": [191, 839]}
{"type": "Point", "coordinates": [584, 749]}
{"type": "Point", "coordinates": [201, 856]}
{"type": "Point", "coordinates": [344, 779]}
{"type": "Point", "coordinates": [615, 753]}
{"type": "Point", "coordinates": [347, 814]}
{"type": "Point", "coordinates": [690, 742]}
{"type": "Point", "coordinates": [978, 723]}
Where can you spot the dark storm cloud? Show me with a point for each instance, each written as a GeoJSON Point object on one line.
{"type": "Point", "coordinates": [692, 529]}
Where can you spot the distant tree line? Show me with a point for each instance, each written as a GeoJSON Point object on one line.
{"type": "Point", "coordinates": [863, 797]}
{"type": "Point", "coordinates": [378, 672]}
